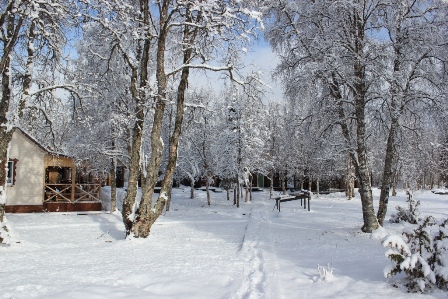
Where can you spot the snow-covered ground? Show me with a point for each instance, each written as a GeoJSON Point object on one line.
{"type": "Point", "coordinates": [196, 251]}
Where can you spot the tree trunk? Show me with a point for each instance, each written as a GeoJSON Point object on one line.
{"type": "Point", "coordinates": [365, 190]}
{"type": "Point", "coordinates": [369, 217]}
{"type": "Point", "coordinates": [191, 187]}
{"type": "Point", "coordinates": [347, 179]}
{"type": "Point", "coordinates": [138, 88]}
{"type": "Point", "coordinates": [387, 169]}
{"type": "Point", "coordinates": [317, 187]}
{"type": "Point", "coordinates": [5, 136]}
{"type": "Point", "coordinates": [238, 187]}
{"type": "Point", "coordinates": [359, 155]}
{"type": "Point", "coordinates": [431, 181]}
{"type": "Point", "coordinates": [357, 148]}
{"type": "Point", "coordinates": [113, 185]}
{"type": "Point", "coordinates": [129, 201]}
{"type": "Point", "coordinates": [271, 186]}
{"type": "Point", "coordinates": [146, 214]}
{"type": "Point", "coordinates": [235, 191]}
{"type": "Point", "coordinates": [394, 184]}
{"type": "Point", "coordinates": [283, 182]}
{"type": "Point", "coordinates": [168, 203]}
{"type": "Point", "coordinates": [251, 184]}
{"type": "Point", "coordinates": [310, 183]}
{"type": "Point", "coordinates": [207, 189]}
{"type": "Point", "coordinates": [174, 140]}
{"type": "Point", "coordinates": [228, 194]}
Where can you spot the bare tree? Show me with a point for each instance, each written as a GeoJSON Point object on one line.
{"type": "Point", "coordinates": [331, 44]}
{"type": "Point", "coordinates": [192, 27]}
{"type": "Point", "coordinates": [32, 37]}
{"type": "Point", "coordinates": [417, 43]}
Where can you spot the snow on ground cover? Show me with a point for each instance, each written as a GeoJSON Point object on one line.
{"type": "Point", "coordinates": [196, 251]}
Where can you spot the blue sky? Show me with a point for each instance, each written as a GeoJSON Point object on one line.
{"type": "Point", "coordinates": [257, 57]}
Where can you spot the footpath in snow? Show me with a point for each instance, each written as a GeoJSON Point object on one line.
{"type": "Point", "coordinates": [196, 251]}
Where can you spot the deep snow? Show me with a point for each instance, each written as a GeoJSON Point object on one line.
{"type": "Point", "coordinates": [196, 251]}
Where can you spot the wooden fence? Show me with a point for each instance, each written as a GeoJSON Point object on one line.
{"type": "Point", "coordinates": [72, 193]}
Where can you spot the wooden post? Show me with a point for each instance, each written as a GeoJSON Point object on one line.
{"type": "Point", "coordinates": [310, 182]}
{"type": "Point", "coordinates": [72, 196]}
{"type": "Point", "coordinates": [251, 184]}
{"type": "Point", "coordinates": [44, 180]}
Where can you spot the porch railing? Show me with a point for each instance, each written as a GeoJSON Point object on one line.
{"type": "Point", "coordinates": [72, 193]}
{"type": "Point", "coordinates": [87, 192]}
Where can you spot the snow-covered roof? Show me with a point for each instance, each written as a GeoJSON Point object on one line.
{"type": "Point", "coordinates": [37, 143]}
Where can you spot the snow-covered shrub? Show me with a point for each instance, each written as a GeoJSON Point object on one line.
{"type": "Point", "coordinates": [7, 235]}
{"type": "Point", "coordinates": [325, 273]}
{"type": "Point", "coordinates": [422, 254]}
{"type": "Point", "coordinates": [410, 215]}
{"type": "Point", "coordinates": [4, 236]}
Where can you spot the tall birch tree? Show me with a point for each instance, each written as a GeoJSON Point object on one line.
{"type": "Point", "coordinates": [329, 41]}
{"type": "Point", "coordinates": [32, 37]}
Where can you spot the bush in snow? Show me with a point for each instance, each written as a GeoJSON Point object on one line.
{"type": "Point", "coordinates": [325, 273]}
{"type": "Point", "coordinates": [422, 254]}
{"type": "Point", "coordinates": [410, 215]}
{"type": "Point", "coordinates": [4, 238]}
{"type": "Point", "coordinates": [6, 233]}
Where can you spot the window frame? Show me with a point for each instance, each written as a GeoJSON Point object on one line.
{"type": "Point", "coordinates": [11, 173]}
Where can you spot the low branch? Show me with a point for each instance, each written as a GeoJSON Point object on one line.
{"type": "Point", "coordinates": [201, 66]}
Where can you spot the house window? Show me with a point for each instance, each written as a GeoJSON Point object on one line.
{"type": "Point", "coordinates": [58, 175]}
{"type": "Point", "coordinates": [11, 172]}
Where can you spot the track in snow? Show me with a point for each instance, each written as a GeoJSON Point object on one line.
{"type": "Point", "coordinates": [258, 251]}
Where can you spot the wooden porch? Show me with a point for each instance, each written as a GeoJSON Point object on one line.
{"type": "Point", "coordinates": [72, 193]}
{"type": "Point", "coordinates": [62, 192]}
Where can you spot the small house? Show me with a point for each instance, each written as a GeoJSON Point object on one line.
{"type": "Point", "coordinates": [40, 180]}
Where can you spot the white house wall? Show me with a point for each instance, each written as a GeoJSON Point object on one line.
{"type": "Point", "coordinates": [28, 187]}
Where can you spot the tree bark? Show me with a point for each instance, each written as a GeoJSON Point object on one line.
{"type": "Point", "coordinates": [191, 187]}
{"type": "Point", "coordinates": [113, 185]}
{"type": "Point", "coordinates": [359, 154]}
{"type": "Point", "coordinates": [302, 181]}
{"type": "Point", "coordinates": [365, 190]}
{"type": "Point", "coordinates": [250, 188]}
{"type": "Point", "coordinates": [13, 26]}
{"type": "Point", "coordinates": [358, 148]}
{"type": "Point", "coordinates": [394, 184]}
{"type": "Point", "coordinates": [129, 202]}
{"type": "Point", "coordinates": [238, 186]}
{"type": "Point", "coordinates": [146, 215]}
{"type": "Point", "coordinates": [207, 189]}
{"type": "Point", "coordinates": [310, 183]}
{"type": "Point", "coordinates": [138, 93]}
{"type": "Point", "coordinates": [283, 182]}
{"type": "Point", "coordinates": [188, 39]}
{"type": "Point", "coordinates": [5, 136]}
{"type": "Point", "coordinates": [235, 194]}
{"type": "Point", "coordinates": [387, 170]}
